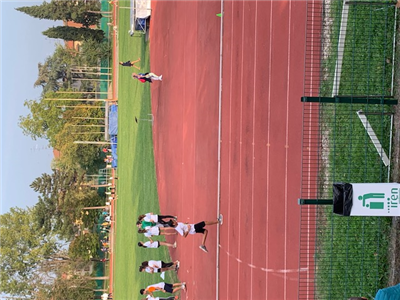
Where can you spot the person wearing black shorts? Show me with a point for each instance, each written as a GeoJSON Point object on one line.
{"type": "Point", "coordinates": [184, 229]}
{"type": "Point", "coordinates": [130, 63]}
{"type": "Point", "coordinates": [163, 287]}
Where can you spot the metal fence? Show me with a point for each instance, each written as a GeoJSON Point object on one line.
{"type": "Point", "coordinates": [347, 121]}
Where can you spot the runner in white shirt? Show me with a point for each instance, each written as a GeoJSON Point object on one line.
{"type": "Point", "coordinates": [184, 229]}
{"type": "Point", "coordinates": [158, 266]}
{"type": "Point", "coordinates": [163, 287]}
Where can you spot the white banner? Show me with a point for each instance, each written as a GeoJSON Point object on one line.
{"type": "Point", "coordinates": [375, 199]}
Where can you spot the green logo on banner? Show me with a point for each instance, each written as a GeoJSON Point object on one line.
{"type": "Point", "coordinates": [377, 200]}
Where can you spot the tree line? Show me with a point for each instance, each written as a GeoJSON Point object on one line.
{"type": "Point", "coordinates": [41, 247]}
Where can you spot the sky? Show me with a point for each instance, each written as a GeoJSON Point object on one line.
{"type": "Point", "coordinates": [22, 47]}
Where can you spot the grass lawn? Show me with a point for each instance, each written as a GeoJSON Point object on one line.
{"type": "Point", "coordinates": [137, 189]}
{"type": "Point", "coordinates": [352, 253]}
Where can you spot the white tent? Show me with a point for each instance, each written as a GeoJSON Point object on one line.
{"type": "Point", "coordinates": [140, 12]}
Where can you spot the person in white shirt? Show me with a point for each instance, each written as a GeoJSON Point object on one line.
{"type": "Point", "coordinates": [149, 297]}
{"type": "Point", "coordinates": [184, 229]}
{"type": "Point", "coordinates": [158, 219]}
{"type": "Point", "coordinates": [158, 266]}
{"type": "Point", "coordinates": [163, 287]}
{"type": "Point", "coordinates": [155, 244]}
{"type": "Point", "coordinates": [155, 231]}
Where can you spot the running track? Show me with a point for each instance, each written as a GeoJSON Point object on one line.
{"type": "Point", "coordinates": [263, 63]}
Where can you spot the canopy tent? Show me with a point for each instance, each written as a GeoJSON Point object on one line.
{"type": "Point", "coordinates": [113, 131]}
{"type": "Point", "coordinates": [140, 12]}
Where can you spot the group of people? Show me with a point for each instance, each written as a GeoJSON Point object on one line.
{"type": "Point", "coordinates": [155, 225]}
{"type": "Point", "coordinates": [104, 231]}
{"type": "Point", "coordinates": [142, 77]}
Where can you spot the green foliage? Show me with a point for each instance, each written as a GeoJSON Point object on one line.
{"type": "Point", "coordinates": [93, 51]}
{"type": "Point", "coordinates": [63, 194]}
{"type": "Point", "coordinates": [60, 125]}
{"type": "Point", "coordinates": [23, 247]}
{"type": "Point", "coordinates": [352, 253]}
{"type": "Point", "coordinates": [84, 246]}
{"type": "Point", "coordinates": [43, 121]}
{"type": "Point", "coordinates": [54, 73]}
{"type": "Point", "coordinates": [68, 278]}
{"type": "Point", "coordinates": [77, 11]}
{"type": "Point", "coordinates": [137, 178]}
{"type": "Point", "coordinates": [74, 34]}
{"type": "Point", "coordinates": [352, 256]}
{"type": "Point", "coordinates": [74, 287]}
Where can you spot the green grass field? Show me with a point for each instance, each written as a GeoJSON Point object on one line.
{"type": "Point", "coordinates": [352, 253]}
{"type": "Point", "coordinates": [137, 189]}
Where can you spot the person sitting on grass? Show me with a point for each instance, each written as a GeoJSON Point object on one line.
{"type": "Point", "coordinates": [158, 266]}
{"type": "Point", "coordinates": [163, 287]}
{"type": "Point", "coordinates": [184, 229]}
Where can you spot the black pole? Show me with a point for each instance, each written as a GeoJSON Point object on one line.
{"type": "Point", "coordinates": [315, 201]}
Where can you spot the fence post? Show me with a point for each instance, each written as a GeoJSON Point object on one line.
{"type": "Point", "coordinates": [315, 201]}
{"type": "Point", "coordinates": [354, 100]}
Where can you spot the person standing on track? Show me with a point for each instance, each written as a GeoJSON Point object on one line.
{"type": "Point", "coordinates": [155, 244]}
{"type": "Point", "coordinates": [184, 229]}
{"type": "Point", "coordinates": [157, 219]}
{"type": "Point", "coordinates": [158, 266]}
{"type": "Point", "coordinates": [149, 297]}
{"type": "Point", "coordinates": [163, 287]}
{"type": "Point", "coordinates": [154, 231]}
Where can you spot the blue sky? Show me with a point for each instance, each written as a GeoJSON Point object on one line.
{"type": "Point", "coordinates": [22, 47]}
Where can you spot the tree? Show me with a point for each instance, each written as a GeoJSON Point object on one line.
{"type": "Point", "coordinates": [63, 194]}
{"type": "Point", "coordinates": [93, 51]}
{"type": "Point", "coordinates": [74, 34]}
{"type": "Point", "coordinates": [22, 247]}
{"type": "Point", "coordinates": [44, 120]}
{"type": "Point", "coordinates": [84, 246]}
{"type": "Point", "coordinates": [73, 287]}
{"type": "Point", "coordinates": [77, 11]}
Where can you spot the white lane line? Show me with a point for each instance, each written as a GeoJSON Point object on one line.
{"type": "Point", "coordinates": [221, 35]}
{"type": "Point", "coordinates": [287, 150]}
{"type": "Point", "coordinates": [240, 147]}
{"type": "Point", "coordinates": [267, 270]}
{"type": "Point", "coordinates": [194, 257]}
{"type": "Point", "coordinates": [268, 143]}
{"type": "Point", "coordinates": [253, 160]}
{"type": "Point", "coordinates": [230, 148]}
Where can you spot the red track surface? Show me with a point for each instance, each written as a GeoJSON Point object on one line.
{"type": "Point", "coordinates": [263, 62]}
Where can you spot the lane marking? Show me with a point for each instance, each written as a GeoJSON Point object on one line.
{"type": "Point", "coordinates": [287, 152]}
{"type": "Point", "coordinates": [268, 142]}
{"type": "Point", "coordinates": [230, 148]}
{"type": "Point", "coordinates": [267, 270]}
{"type": "Point", "coordinates": [253, 160]}
{"type": "Point", "coordinates": [240, 148]}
